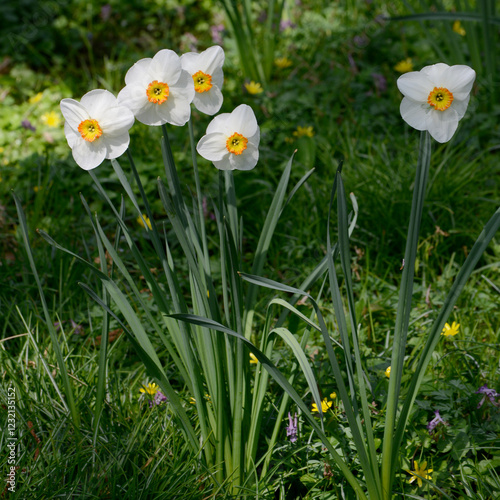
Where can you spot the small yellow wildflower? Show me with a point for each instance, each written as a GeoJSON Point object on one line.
{"type": "Point", "coordinates": [303, 132]}
{"type": "Point", "coordinates": [458, 28]}
{"type": "Point", "coordinates": [36, 98]}
{"type": "Point", "coordinates": [404, 66]}
{"type": "Point", "coordinates": [450, 330]}
{"type": "Point", "coordinates": [254, 88]}
{"type": "Point", "coordinates": [51, 119]}
{"type": "Point", "coordinates": [37, 188]}
{"type": "Point", "coordinates": [2, 149]}
{"type": "Point", "coordinates": [388, 372]}
{"type": "Point", "coordinates": [420, 471]}
{"type": "Point", "coordinates": [150, 389]}
{"type": "Point", "coordinates": [282, 62]}
{"type": "Point", "coordinates": [253, 359]}
{"type": "Point", "coordinates": [207, 398]}
{"type": "Point", "coordinates": [333, 395]}
{"type": "Point", "coordinates": [325, 406]}
{"type": "Point", "coordinates": [140, 221]}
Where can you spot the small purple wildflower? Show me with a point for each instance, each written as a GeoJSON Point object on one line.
{"type": "Point", "coordinates": [189, 41]}
{"type": "Point", "coordinates": [158, 399]}
{"type": "Point", "coordinates": [216, 33]}
{"type": "Point", "coordinates": [380, 82]}
{"type": "Point", "coordinates": [105, 12]}
{"type": "Point", "coordinates": [27, 125]}
{"type": "Point", "coordinates": [291, 430]}
{"type": "Point", "coordinates": [285, 24]}
{"type": "Point", "coordinates": [206, 213]}
{"type": "Point", "coordinates": [361, 40]}
{"type": "Point", "coordinates": [435, 421]}
{"type": "Point", "coordinates": [77, 329]}
{"type": "Point", "coordinates": [491, 394]}
{"type": "Point", "coordinates": [262, 18]}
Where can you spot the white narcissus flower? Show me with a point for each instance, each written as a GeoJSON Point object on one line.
{"type": "Point", "coordinates": [96, 128]}
{"type": "Point", "coordinates": [436, 98]}
{"type": "Point", "coordinates": [232, 140]}
{"type": "Point", "coordinates": [158, 90]}
{"type": "Point", "coordinates": [206, 71]}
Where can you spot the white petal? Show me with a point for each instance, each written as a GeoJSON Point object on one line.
{"type": "Point", "coordinates": [97, 101]}
{"type": "Point", "coordinates": [208, 102]}
{"type": "Point", "coordinates": [218, 124]}
{"type": "Point", "coordinates": [89, 155]}
{"type": "Point", "coordinates": [242, 120]}
{"type": "Point", "coordinates": [184, 88]}
{"type": "Point", "coordinates": [176, 111]}
{"type": "Point", "coordinates": [134, 97]}
{"type": "Point", "coordinates": [414, 113]}
{"type": "Point", "coordinates": [116, 120]}
{"type": "Point", "coordinates": [223, 164]}
{"type": "Point", "coordinates": [139, 72]}
{"type": "Point", "coordinates": [245, 161]}
{"type": "Point", "coordinates": [218, 78]}
{"type": "Point", "coordinates": [166, 67]}
{"type": "Point", "coordinates": [435, 73]}
{"type": "Point", "coordinates": [442, 124]}
{"type": "Point", "coordinates": [415, 85]}
{"type": "Point", "coordinates": [149, 115]}
{"type": "Point", "coordinates": [190, 62]}
{"type": "Point", "coordinates": [460, 107]}
{"type": "Point", "coordinates": [213, 146]}
{"type": "Point", "coordinates": [72, 135]}
{"type": "Point", "coordinates": [74, 113]}
{"type": "Point", "coordinates": [255, 139]}
{"type": "Point", "coordinates": [459, 80]}
{"type": "Point", "coordinates": [213, 59]}
{"type": "Point", "coordinates": [117, 145]}
{"type": "Point", "coordinates": [209, 61]}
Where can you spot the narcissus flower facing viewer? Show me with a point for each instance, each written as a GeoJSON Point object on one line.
{"type": "Point", "coordinates": [96, 128]}
{"type": "Point", "coordinates": [232, 140]}
{"type": "Point", "coordinates": [206, 70]}
{"type": "Point", "coordinates": [158, 90]}
{"type": "Point", "coordinates": [436, 98]}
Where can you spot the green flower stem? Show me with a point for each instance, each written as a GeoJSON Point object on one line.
{"type": "Point", "coordinates": [403, 312]}
{"type": "Point", "coordinates": [171, 173]}
{"type": "Point", "coordinates": [201, 215]}
{"type": "Point", "coordinates": [240, 394]}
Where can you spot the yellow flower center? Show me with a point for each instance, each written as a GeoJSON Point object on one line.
{"type": "Point", "coordinates": [440, 98]}
{"type": "Point", "coordinates": [157, 92]}
{"type": "Point", "coordinates": [202, 82]}
{"type": "Point", "coordinates": [236, 143]}
{"type": "Point", "coordinates": [90, 130]}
